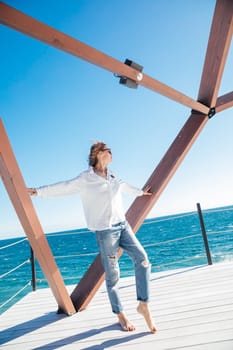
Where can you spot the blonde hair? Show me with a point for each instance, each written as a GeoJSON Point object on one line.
{"type": "Point", "coordinates": [94, 150]}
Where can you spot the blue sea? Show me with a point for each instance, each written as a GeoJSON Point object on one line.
{"type": "Point", "coordinates": [172, 242]}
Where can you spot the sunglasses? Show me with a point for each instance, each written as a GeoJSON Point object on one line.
{"type": "Point", "coordinates": [107, 149]}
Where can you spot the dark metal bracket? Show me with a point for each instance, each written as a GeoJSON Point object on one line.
{"type": "Point", "coordinates": [127, 81]}
{"type": "Point", "coordinates": [210, 114]}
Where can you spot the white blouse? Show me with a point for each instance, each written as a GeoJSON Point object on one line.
{"type": "Point", "coordinates": [101, 197]}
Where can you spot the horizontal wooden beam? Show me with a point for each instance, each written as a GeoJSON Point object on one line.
{"type": "Point", "coordinates": [224, 102]}
{"type": "Point", "coordinates": [17, 191]}
{"type": "Point", "coordinates": [40, 31]}
{"type": "Point", "coordinates": [217, 50]}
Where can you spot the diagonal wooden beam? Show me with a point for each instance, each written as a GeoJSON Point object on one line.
{"type": "Point", "coordinates": [15, 186]}
{"type": "Point", "coordinates": [218, 47]}
{"type": "Point", "coordinates": [215, 58]}
{"type": "Point", "coordinates": [91, 281]}
{"type": "Point", "coordinates": [38, 30]}
{"type": "Point", "coordinates": [217, 50]}
{"type": "Point", "coordinates": [224, 102]}
{"type": "Point", "coordinates": [166, 168]}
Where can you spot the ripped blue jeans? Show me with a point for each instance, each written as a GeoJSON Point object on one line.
{"type": "Point", "coordinates": [109, 242]}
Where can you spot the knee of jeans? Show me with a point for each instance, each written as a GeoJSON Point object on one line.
{"type": "Point", "coordinates": [112, 257]}
{"type": "Point", "coordinates": [112, 272]}
{"type": "Point", "coordinates": [145, 263]}
{"type": "Point", "coordinates": [112, 260]}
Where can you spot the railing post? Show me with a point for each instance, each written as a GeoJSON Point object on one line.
{"type": "Point", "coordinates": [33, 268]}
{"type": "Point", "coordinates": [204, 235]}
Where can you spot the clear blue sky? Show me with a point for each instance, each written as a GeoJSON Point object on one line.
{"type": "Point", "coordinates": [54, 105]}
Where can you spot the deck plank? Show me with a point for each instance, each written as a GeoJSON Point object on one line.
{"type": "Point", "coordinates": [193, 309]}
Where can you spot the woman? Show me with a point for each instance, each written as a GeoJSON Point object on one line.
{"type": "Point", "coordinates": [100, 192]}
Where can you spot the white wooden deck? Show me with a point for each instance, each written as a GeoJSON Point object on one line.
{"type": "Point", "coordinates": [193, 309]}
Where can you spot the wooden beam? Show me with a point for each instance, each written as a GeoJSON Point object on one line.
{"type": "Point", "coordinates": [155, 85]}
{"type": "Point", "coordinates": [40, 31]}
{"type": "Point", "coordinates": [217, 50]}
{"type": "Point", "coordinates": [87, 287]}
{"type": "Point", "coordinates": [224, 102]}
{"type": "Point", "coordinates": [166, 169]}
{"type": "Point", "coordinates": [17, 191]}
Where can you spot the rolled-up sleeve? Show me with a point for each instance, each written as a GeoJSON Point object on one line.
{"type": "Point", "coordinates": [125, 187]}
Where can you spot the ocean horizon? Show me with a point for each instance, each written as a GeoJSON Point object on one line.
{"type": "Point", "coordinates": [172, 242]}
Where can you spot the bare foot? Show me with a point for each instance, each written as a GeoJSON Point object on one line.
{"type": "Point", "coordinates": [143, 309]}
{"type": "Point", "coordinates": [126, 325]}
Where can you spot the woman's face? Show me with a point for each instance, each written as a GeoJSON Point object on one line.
{"type": "Point", "coordinates": [105, 155]}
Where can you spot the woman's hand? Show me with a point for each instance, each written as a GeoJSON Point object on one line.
{"type": "Point", "coordinates": [32, 191]}
{"type": "Point", "coordinates": [146, 191]}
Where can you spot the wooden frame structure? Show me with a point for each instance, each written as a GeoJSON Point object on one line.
{"type": "Point", "coordinates": [206, 105]}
